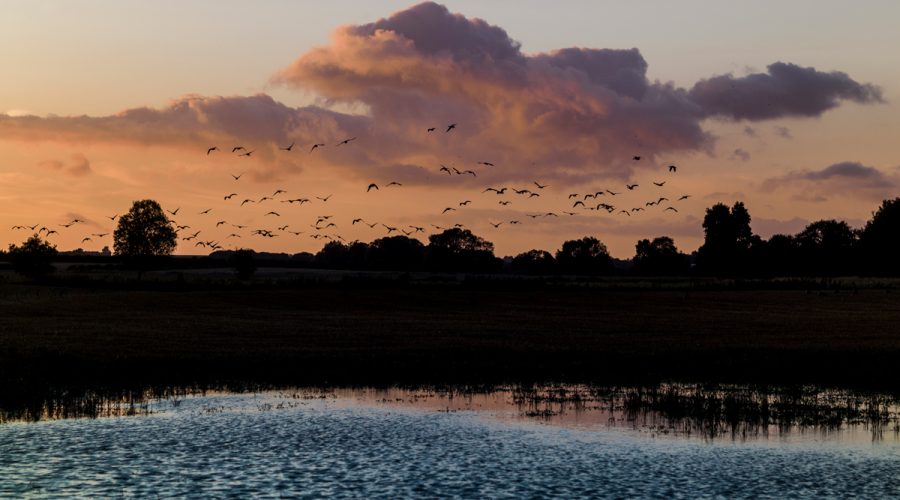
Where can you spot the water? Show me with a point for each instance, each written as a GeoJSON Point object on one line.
{"type": "Point", "coordinates": [406, 443]}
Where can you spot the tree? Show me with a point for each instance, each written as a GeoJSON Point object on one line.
{"type": "Point", "coordinates": [659, 257]}
{"type": "Point", "coordinates": [826, 248]}
{"type": "Point", "coordinates": [333, 255]}
{"type": "Point", "coordinates": [457, 249]}
{"type": "Point", "coordinates": [534, 262]}
{"type": "Point", "coordinates": [585, 256]}
{"type": "Point", "coordinates": [396, 253]}
{"type": "Point", "coordinates": [34, 258]}
{"type": "Point", "coordinates": [880, 240]}
{"type": "Point", "coordinates": [243, 263]}
{"type": "Point", "coordinates": [728, 240]}
{"type": "Point", "coordinates": [144, 232]}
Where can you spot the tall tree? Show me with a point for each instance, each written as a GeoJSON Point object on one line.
{"type": "Point", "coordinates": [880, 240]}
{"type": "Point", "coordinates": [659, 257]}
{"type": "Point", "coordinates": [144, 231]}
{"type": "Point", "coordinates": [585, 256]}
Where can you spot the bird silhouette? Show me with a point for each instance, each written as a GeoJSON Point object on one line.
{"type": "Point", "coordinates": [430, 129]}
{"type": "Point", "coordinates": [208, 210]}
{"type": "Point", "coordinates": [464, 203]}
{"type": "Point", "coordinates": [248, 153]}
{"type": "Point", "coordinates": [346, 141]}
{"type": "Point", "coordinates": [448, 209]}
{"type": "Point", "coordinates": [237, 177]}
{"type": "Point", "coordinates": [371, 187]}
{"type": "Point", "coordinates": [631, 186]}
{"type": "Point", "coordinates": [288, 148]}
{"type": "Point", "coordinates": [611, 193]}
{"type": "Point", "coordinates": [278, 191]}
{"type": "Point", "coordinates": [486, 163]}
{"type": "Point", "coordinates": [659, 184]}
{"type": "Point", "coordinates": [464, 172]}
{"type": "Point", "coordinates": [324, 199]}
{"type": "Point", "coordinates": [221, 222]}
{"type": "Point", "coordinates": [316, 146]}
{"type": "Point", "coordinates": [230, 196]}
{"type": "Point", "coordinates": [684, 197]}
{"type": "Point", "coordinates": [539, 186]}
{"type": "Point", "coordinates": [504, 202]}
{"type": "Point", "coordinates": [86, 239]}
{"type": "Point", "coordinates": [636, 158]}
{"type": "Point", "coordinates": [574, 195]}
{"type": "Point", "coordinates": [579, 202]}
{"type": "Point", "coordinates": [393, 183]}
{"type": "Point", "coordinates": [672, 209]}
{"type": "Point", "coordinates": [357, 220]}
{"type": "Point", "coordinates": [445, 168]}
{"type": "Point", "coordinates": [450, 127]}
{"type": "Point", "coordinates": [248, 200]}
{"type": "Point", "coordinates": [237, 148]}
{"type": "Point", "coordinates": [496, 226]}
{"type": "Point", "coordinates": [210, 150]}
{"type": "Point", "coordinates": [113, 217]}
{"type": "Point", "coordinates": [672, 168]}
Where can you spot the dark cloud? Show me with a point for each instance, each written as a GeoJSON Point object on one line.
{"type": "Point", "coordinates": [77, 166]}
{"type": "Point", "coordinates": [740, 154]}
{"type": "Point", "coordinates": [846, 178]}
{"type": "Point", "coordinates": [785, 90]}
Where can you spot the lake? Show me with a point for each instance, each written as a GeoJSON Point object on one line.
{"type": "Point", "coordinates": [400, 443]}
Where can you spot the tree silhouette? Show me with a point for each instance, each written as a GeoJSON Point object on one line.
{"type": "Point", "coordinates": [728, 240]}
{"type": "Point", "coordinates": [33, 258]}
{"type": "Point", "coordinates": [880, 240]}
{"type": "Point", "coordinates": [826, 248]}
{"type": "Point", "coordinates": [397, 253]}
{"type": "Point", "coordinates": [144, 231]}
{"type": "Point", "coordinates": [534, 262]}
{"type": "Point", "coordinates": [659, 257]}
{"type": "Point", "coordinates": [333, 255]}
{"type": "Point", "coordinates": [585, 256]}
{"type": "Point", "coordinates": [458, 249]}
{"type": "Point", "coordinates": [243, 262]}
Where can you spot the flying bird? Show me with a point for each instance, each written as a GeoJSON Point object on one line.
{"type": "Point", "coordinates": [448, 209]}
{"type": "Point", "coordinates": [684, 197]}
{"type": "Point", "coordinates": [278, 191]}
{"type": "Point", "coordinates": [323, 199]}
{"type": "Point", "coordinates": [539, 186]}
{"type": "Point", "coordinates": [464, 203]}
{"type": "Point", "coordinates": [631, 186]}
{"type": "Point", "coordinates": [464, 172]}
{"type": "Point", "coordinates": [208, 210]}
{"type": "Point", "coordinates": [393, 183]}
{"type": "Point", "coordinates": [288, 148]}
{"type": "Point", "coordinates": [237, 148]}
{"type": "Point", "coordinates": [221, 222]}
{"type": "Point", "coordinates": [579, 202]}
{"type": "Point", "coordinates": [611, 193]}
{"type": "Point", "coordinates": [636, 158]}
{"type": "Point", "coordinates": [496, 226]}
{"type": "Point", "coordinates": [485, 163]}
{"type": "Point", "coordinates": [86, 239]}
{"type": "Point", "coordinates": [248, 153]}
{"type": "Point", "coordinates": [450, 127]}
{"type": "Point", "coordinates": [357, 220]}
{"type": "Point", "coordinates": [372, 186]}
{"type": "Point", "coordinates": [504, 202]}
{"type": "Point", "coordinates": [112, 217]}
{"type": "Point", "coordinates": [230, 196]}
{"type": "Point", "coordinates": [430, 129]}
{"type": "Point", "coordinates": [575, 195]}
{"type": "Point", "coordinates": [248, 200]}
{"type": "Point", "coordinates": [672, 168]}
{"type": "Point", "coordinates": [672, 209]}
{"type": "Point", "coordinates": [444, 168]}
{"type": "Point", "coordinates": [237, 177]}
{"type": "Point", "coordinates": [314, 146]}
{"type": "Point", "coordinates": [346, 141]}
{"type": "Point", "coordinates": [659, 184]}
{"type": "Point", "coordinates": [210, 150]}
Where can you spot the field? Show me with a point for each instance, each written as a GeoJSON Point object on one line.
{"type": "Point", "coordinates": [64, 339]}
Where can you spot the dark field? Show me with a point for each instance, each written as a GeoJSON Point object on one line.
{"type": "Point", "coordinates": [61, 340]}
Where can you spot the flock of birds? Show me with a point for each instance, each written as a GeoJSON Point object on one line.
{"type": "Point", "coordinates": [325, 226]}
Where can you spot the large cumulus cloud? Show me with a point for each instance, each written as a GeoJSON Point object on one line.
{"type": "Point", "coordinates": [848, 178]}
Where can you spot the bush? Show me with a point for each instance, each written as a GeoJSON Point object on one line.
{"type": "Point", "coordinates": [34, 258]}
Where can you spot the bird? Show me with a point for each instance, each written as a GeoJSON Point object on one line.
{"type": "Point", "coordinates": [539, 185]}
{"type": "Point", "coordinates": [636, 209]}
{"type": "Point", "coordinates": [684, 197]}
{"type": "Point", "coordinates": [672, 209]}
{"type": "Point", "coordinates": [574, 195]}
{"type": "Point", "coordinates": [464, 203]}
{"type": "Point", "coordinates": [208, 210]}
{"type": "Point", "coordinates": [631, 186]}
{"type": "Point", "coordinates": [237, 148]}
{"type": "Point", "coordinates": [464, 172]}
{"type": "Point", "coordinates": [371, 225]}
{"type": "Point", "coordinates": [238, 226]}
{"type": "Point", "coordinates": [445, 168]}
{"type": "Point", "coordinates": [315, 146]}
{"type": "Point", "coordinates": [63, 225]}
{"type": "Point", "coordinates": [450, 127]}
{"type": "Point", "coordinates": [636, 158]}
{"type": "Point", "coordinates": [611, 193]}
{"type": "Point", "coordinates": [264, 198]}
{"type": "Point", "coordinates": [248, 200]}
{"type": "Point", "coordinates": [533, 195]}
{"type": "Point", "coordinates": [485, 163]}
{"type": "Point", "coordinates": [448, 209]}
{"type": "Point", "coordinates": [278, 191]}
{"type": "Point", "coordinates": [323, 199]}
{"type": "Point", "coordinates": [372, 186]}
{"type": "Point", "coordinates": [99, 235]}
{"type": "Point", "coordinates": [661, 200]}
{"type": "Point", "coordinates": [625, 212]}
{"type": "Point", "coordinates": [288, 148]}
{"type": "Point", "coordinates": [570, 213]}
{"type": "Point", "coordinates": [230, 196]}
{"type": "Point", "coordinates": [237, 177]}
{"type": "Point", "coordinates": [112, 217]}
{"type": "Point", "coordinates": [672, 168]}
{"type": "Point", "coordinates": [417, 229]}
{"type": "Point", "coordinates": [393, 183]}
{"type": "Point", "coordinates": [346, 141]}
{"type": "Point", "coordinates": [52, 231]}
{"type": "Point", "coordinates": [514, 222]}
{"type": "Point", "coordinates": [550, 214]}
{"type": "Point", "coordinates": [504, 202]}
{"type": "Point", "coordinates": [430, 129]}
{"type": "Point", "coordinates": [659, 184]}
{"type": "Point", "coordinates": [182, 227]}
{"type": "Point", "coordinates": [248, 153]}
{"type": "Point", "coordinates": [357, 220]}
{"type": "Point", "coordinates": [496, 226]}
{"type": "Point", "coordinates": [221, 222]}
{"type": "Point", "coordinates": [498, 191]}
{"type": "Point", "coordinates": [86, 239]}
{"type": "Point", "coordinates": [579, 202]}
{"type": "Point", "coordinates": [210, 150]}
{"type": "Point", "coordinates": [521, 191]}
{"type": "Point", "coordinates": [233, 235]}
{"type": "Point", "coordinates": [389, 228]}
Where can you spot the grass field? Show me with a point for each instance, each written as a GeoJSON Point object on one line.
{"type": "Point", "coordinates": [60, 339]}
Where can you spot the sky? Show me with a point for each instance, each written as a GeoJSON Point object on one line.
{"type": "Point", "coordinates": [789, 107]}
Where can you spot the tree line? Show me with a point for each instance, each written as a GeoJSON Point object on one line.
{"type": "Point", "coordinates": [730, 249]}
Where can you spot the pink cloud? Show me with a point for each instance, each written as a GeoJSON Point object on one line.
{"type": "Point", "coordinates": [78, 165]}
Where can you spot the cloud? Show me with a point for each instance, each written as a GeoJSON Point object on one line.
{"type": "Point", "coordinates": [740, 154]}
{"type": "Point", "coordinates": [845, 179]}
{"type": "Point", "coordinates": [566, 116]}
{"type": "Point", "coordinates": [749, 131]}
{"type": "Point", "coordinates": [785, 90]}
{"type": "Point", "coordinates": [78, 166]}
{"type": "Point", "coordinates": [783, 132]}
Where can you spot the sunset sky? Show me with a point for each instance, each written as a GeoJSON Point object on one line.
{"type": "Point", "coordinates": [790, 107]}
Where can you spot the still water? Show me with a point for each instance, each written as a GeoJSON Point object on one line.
{"type": "Point", "coordinates": [396, 443]}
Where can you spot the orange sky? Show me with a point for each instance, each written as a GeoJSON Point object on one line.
{"type": "Point", "coordinates": [796, 141]}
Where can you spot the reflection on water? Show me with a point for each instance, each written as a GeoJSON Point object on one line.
{"type": "Point", "coordinates": [735, 412]}
{"type": "Point", "coordinates": [438, 443]}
